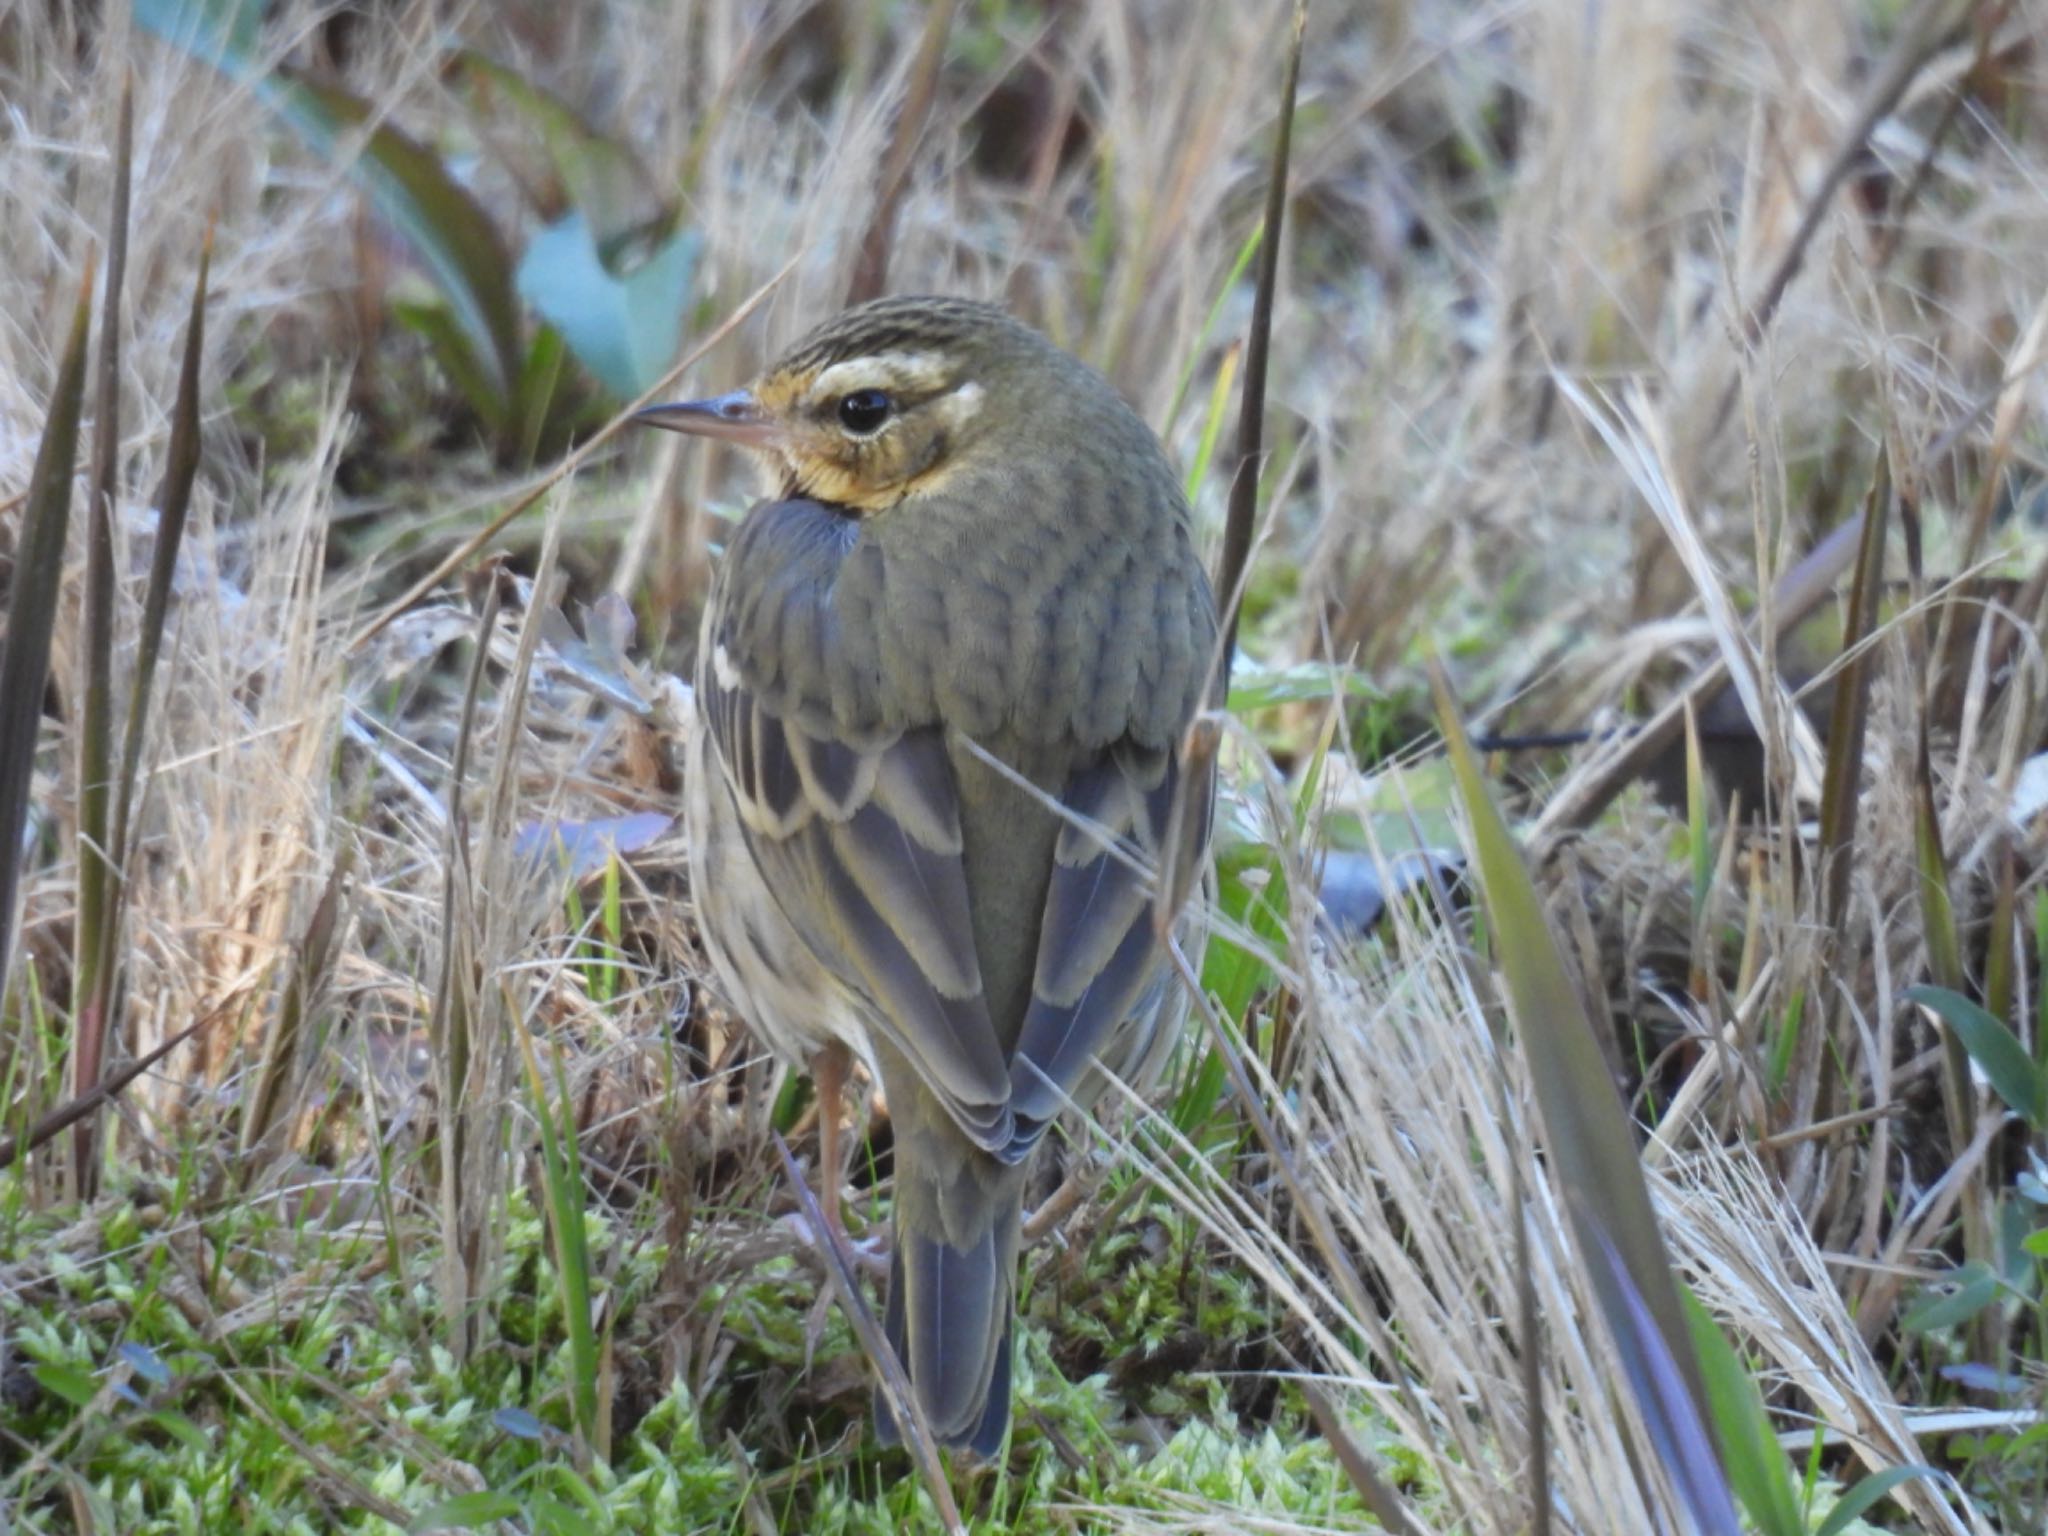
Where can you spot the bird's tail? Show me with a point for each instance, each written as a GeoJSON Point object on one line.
{"type": "Point", "coordinates": [949, 1322]}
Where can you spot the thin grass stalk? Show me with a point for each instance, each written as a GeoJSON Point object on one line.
{"type": "Point", "coordinates": [1944, 947]}
{"type": "Point", "coordinates": [282, 1051]}
{"type": "Point", "coordinates": [1841, 787]}
{"type": "Point", "coordinates": [32, 607]}
{"type": "Point", "coordinates": [451, 1023]}
{"type": "Point", "coordinates": [1251, 421]}
{"type": "Point", "coordinates": [94, 942]}
{"type": "Point", "coordinates": [1579, 802]}
{"type": "Point", "coordinates": [73, 1110]}
{"type": "Point", "coordinates": [570, 462]}
{"type": "Point", "coordinates": [1375, 1491]}
{"type": "Point", "coordinates": [895, 1383]}
{"type": "Point", "coordinates": [1212, 421]}
{"type": "Point", "coordinates": [173, 505]}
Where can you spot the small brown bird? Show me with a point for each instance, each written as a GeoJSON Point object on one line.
{"type": "Point", "coordinates": [940, 688]}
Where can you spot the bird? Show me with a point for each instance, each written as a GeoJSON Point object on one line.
{"type": "Point", "coordinates": [944, 679]}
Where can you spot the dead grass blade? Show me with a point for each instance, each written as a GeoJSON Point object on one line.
{"type": "Point", "coordinates": [1843, 774]}
{"type": "Point", "coordinates": [1918, 38]}
{"type": "Point", "coordinates": [105, 1091]}
{"type": "Point", "coordinates": [32, 607]}
{"type": "Point", "coordinates": [1812, 1087]}
{"type": "Point", "coordinates": [1592, 789]}
{"type": "Point", "coordinates": [871, 270]}
{"type": "Point", "coordinates": [283, 1046]}
{"type": "Point", "coordinates": [910, 1420]}
{"type": "Point", "coordinates": [1376, 1491]}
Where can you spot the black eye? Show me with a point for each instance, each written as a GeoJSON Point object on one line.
{"type": "Point", "coordinates": [864, 411]}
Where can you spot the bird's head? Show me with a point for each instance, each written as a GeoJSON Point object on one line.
{"type": "Point", "coordinates": [890, 400]}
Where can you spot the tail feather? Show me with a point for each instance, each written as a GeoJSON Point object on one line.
{"type": "Point", "coordinates": [948, 1321]}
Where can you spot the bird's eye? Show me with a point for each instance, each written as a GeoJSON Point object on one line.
{"type": "Point", "coordinates": [864, 411]}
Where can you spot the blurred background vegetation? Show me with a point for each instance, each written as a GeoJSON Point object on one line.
{"type": "Point", "coordinates": [1667, 375]}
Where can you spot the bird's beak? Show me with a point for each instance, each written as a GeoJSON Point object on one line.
{"type": "Point", "coordinates": [735, 417]}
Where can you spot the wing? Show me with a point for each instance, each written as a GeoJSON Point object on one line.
{"type": "Point", "coordinates": [1097, 956]}
{"type": "Point", "coordinates": [861, 846]}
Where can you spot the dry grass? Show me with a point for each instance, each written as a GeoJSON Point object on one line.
{"type": "Point", "coordinates": [1544, 399]}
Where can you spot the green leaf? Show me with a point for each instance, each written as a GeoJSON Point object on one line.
{"type": "Point", "coordinates": [76, 1387]}
{"type": "Point", "coordinates": [1976, 1287]}
{"type": "Point", "coordinates": [601, 177]}
{"type": "Point", "coordinates": [435, 322]}
{"type": "Point", "coordinates": [467, 1511]}
{"type": "Point", "coordinates": [1756, 1464]}
{"type": "Point", "coordinates": [625, 328]}
{"type": "Point", "coordinates": [1852, 1504]}
{"type": "Point", "coordinates": [409, 185]}
{"type": "Point", "coordinates": [444, 224]}
{"type": "Point", "coordinates": [1256, 687]}
{"type": "Point", "coordinates": [182, 1430]}
{"type": "Point", "coordinates": [32, 605]}
{"type": "Point", "coordinates": [1592, 1153]}
{"type": "Point", "coordinates": [1995, 1049]}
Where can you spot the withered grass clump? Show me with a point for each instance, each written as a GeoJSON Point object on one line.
{"type": "Point", "coordinates": [1673, 375]}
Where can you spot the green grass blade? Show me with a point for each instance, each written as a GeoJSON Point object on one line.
{"type": "Point", "coordinates": [1592, 1153]}
{"type": "Point", "coordinates": [1757, 1468]}
{"type": "Point", "coordinates": [562, 1181]}
{"type": "Point", "coordinates": [1231, 279]}
{"type": "Point", "coordinates": [174, 503]}
{"type": "Point", "coordinates": [32, 607]}
{"type": "Point", "coordinates": [1251, 421]}
{"type": "Point", "coordinates": [1850, 1507]}
{"type": "Point", "coordinates": [94, 941]}
{"type": "Point", "coordinates": [1212, 423]}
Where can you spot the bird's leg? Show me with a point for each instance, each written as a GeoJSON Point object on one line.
{"type": "Point", "coordinates": [828, 1071]}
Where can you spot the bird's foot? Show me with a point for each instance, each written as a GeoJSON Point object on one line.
{"type": "Point", "coordinates": [866, 1255]}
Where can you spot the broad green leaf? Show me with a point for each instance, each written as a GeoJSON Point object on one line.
{"type": "Point", "coordinates": [409, 185]}
{"type": "Point", "coordinates": [600, 177]}
{"type": "Point", "coordinates": [625, 328]}
{"type": "Point", "coordinates": [75, 1386]}
{"type": "Point", "coordinates": [1253, 686]}
{"type": "Point", "coordinates": [445, 225]}
{"type": "Point", "coordinates": [437, 324]}
{"type": "Point", "coordinates": [182, 1430]}
{"type": "Point", "coordinates": [1852, 1505]}
{"type": "Point", "coordinates": [1976, 1287]}
{"type": "Point", "coordinates": [1995, 1049]}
